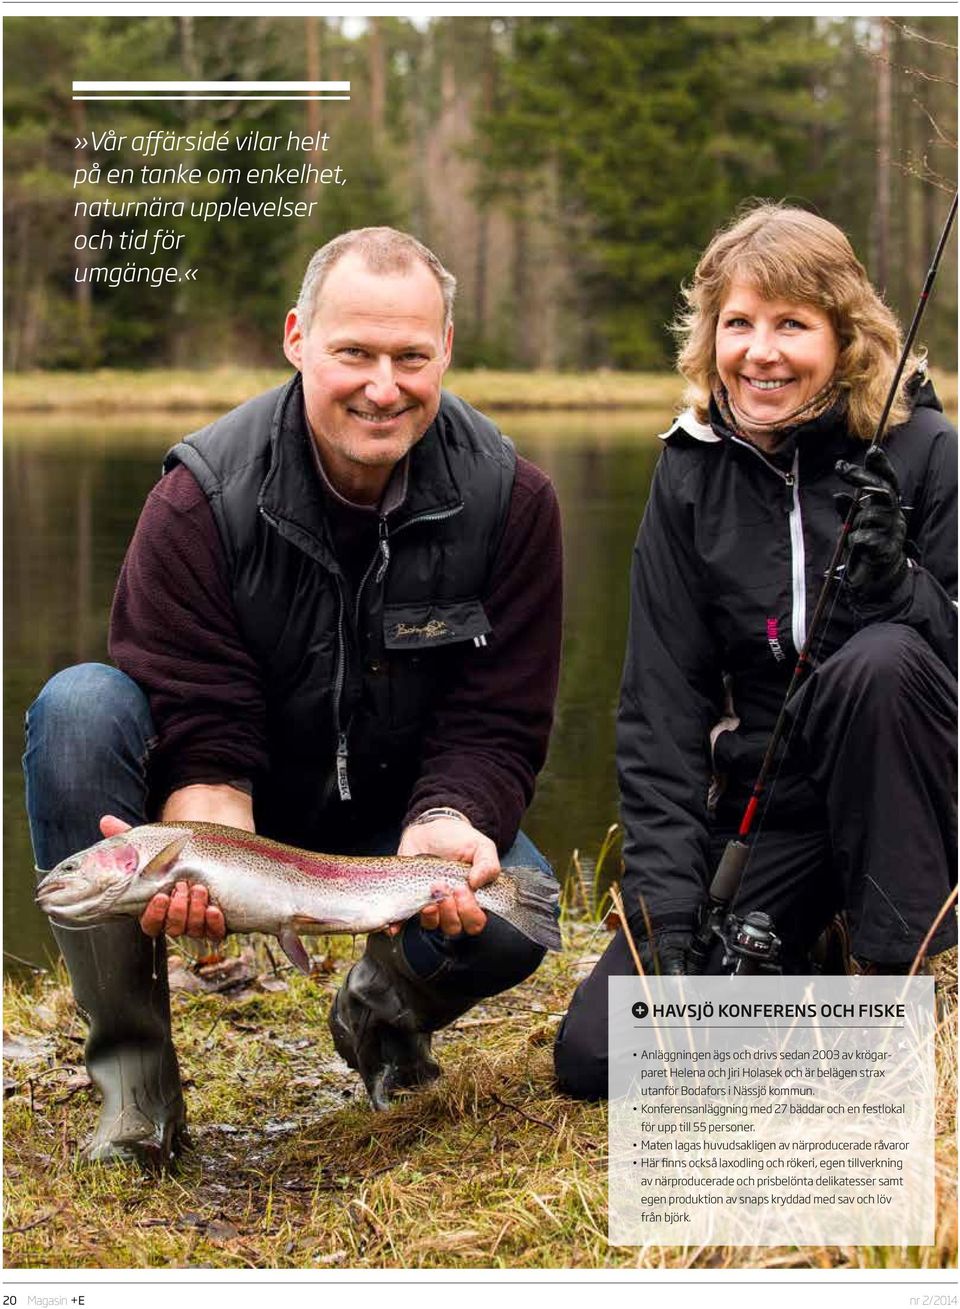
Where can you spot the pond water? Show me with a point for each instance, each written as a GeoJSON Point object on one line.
{"type": "Point", "coordinates": [72, 496]}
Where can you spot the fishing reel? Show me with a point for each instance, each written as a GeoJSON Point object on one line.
{"type": "Point", "coordinates": [750, 945]}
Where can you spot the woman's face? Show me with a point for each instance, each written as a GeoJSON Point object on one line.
{"type": "Point", "coordinates": [772, 355]}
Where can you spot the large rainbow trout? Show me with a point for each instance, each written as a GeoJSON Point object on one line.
{"type": "Point", "coordinates": [263, 886]}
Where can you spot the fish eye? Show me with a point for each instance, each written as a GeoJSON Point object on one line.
{"type": "Point", "coordinates": [70, 866]}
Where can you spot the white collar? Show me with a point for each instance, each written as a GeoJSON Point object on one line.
{"type": "Point", "coordinates": [689, 423]}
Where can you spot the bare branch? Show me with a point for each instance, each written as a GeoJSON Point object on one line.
{"type": "Point", "coordinates": [913, 35]}
{"type": "Point", "coordinates": [928, 77]}
{"type": "Point", "coordinates": [922, 172]}
{"type": "Point", "coordinates": [44, 1218]}
{"type": "Point", "coordinates": [946, 140]}
{"type": "Point", "coordinates": [937, 78]}
{"type": "Point", "coordinates": [507, 1104]}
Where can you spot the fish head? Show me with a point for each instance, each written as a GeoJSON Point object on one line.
{"type": "Point", "coordinates": [107, 880]}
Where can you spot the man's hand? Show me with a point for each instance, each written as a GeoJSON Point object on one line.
{"type": "Point", "coordinates": [185, 912]}
{"type": "Point", "coordinates": [454, 838]}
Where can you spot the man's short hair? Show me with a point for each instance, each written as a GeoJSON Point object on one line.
{"type": "Point", "coordinates": [384, 250]}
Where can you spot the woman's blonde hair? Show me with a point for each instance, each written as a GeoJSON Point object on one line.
{"type": "Point", "coordinates": [789, 254]}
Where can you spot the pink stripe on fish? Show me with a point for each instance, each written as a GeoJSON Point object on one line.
{"type": "Point", "coordinates": [251, 843]}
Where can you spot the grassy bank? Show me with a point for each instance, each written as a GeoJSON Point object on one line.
{"type": "Point", "coordinates": [111, 391]}
{"type": "Point", "coordinates": [216, 389]}
{"type": "Point", "coordinates": [291, 1169]}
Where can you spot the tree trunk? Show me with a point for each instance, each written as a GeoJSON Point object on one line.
{"type": "Point", "coordinates": [314, 46]}
{"type": "Point", "coordinates": [420, 197]}
{"type": "Point", "coordinates": [881, 202]}
{"type": "Point", "coordinates": [521, 235]}
{"type": "Point", "coordinates": [481, 263]}
{"type": "Point", "coordinates": [182, 344]}
{"type": "Point", "coordinates": [911, 257]}
{"type": "Point", "coordinates": [378, 79]}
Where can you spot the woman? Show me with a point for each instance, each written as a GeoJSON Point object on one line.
{"type": "Point", "coordinates": [789, 354]}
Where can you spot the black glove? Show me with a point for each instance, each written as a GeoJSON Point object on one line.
{"type": "Point", "coordinates": [665, 955]}
{"type": "Point", "coordinates": [876, 561]}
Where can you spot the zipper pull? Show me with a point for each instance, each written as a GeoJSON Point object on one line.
{"type": "Point", "coordinates": [384, 551]}
{"type": "Point", "coordinates": [343, 781]}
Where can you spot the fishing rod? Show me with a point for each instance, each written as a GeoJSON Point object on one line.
{"type": "Point", "coordinates": [750, 943]}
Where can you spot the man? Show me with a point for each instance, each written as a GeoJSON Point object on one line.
{"type": "Point", "coordinates": [338, 624]}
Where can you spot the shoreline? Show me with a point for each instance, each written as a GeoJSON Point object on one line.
{"type": "Point", "coordinates": [182, 390]}
{"type": "Point", "coordinates": [175, 391]}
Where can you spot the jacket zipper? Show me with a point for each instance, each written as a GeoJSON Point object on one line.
{"type": "Point", "coordinates": [436, 516]}
{"type": "Point", "coordinates": [798, 587]}
{"type": "Point", "coordinates": [383, 555]}
{"type": "Point", "coordinates": [343, 777]}
{"type": "Point", "coordinates": [798, 624]}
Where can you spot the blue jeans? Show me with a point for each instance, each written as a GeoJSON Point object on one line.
{"type": "Point", "coordinates": [89, 735]}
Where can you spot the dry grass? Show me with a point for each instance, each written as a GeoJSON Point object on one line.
{"type": "Point", "coordinates": [216, 389]}
{"type": "Point", "coordinates": [114, 391]}
{"type": "Point", "coordinates": [291, 1169]}
{"type": "Point", "coordinates": [536, 432]}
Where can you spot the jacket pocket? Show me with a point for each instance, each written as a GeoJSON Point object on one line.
{"type": "Point", "coordinates": [423, 648]}
{"type": "Point", "coordinates": [425, 627]}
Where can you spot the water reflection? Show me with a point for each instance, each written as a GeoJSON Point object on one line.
{"type": "Point", "coordinates": [73, 496]}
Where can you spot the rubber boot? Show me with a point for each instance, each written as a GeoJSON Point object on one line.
{"type": "Point", "coordinates": [119, 979]}
{"type": "Point", "coordinates": [830, 955]}
{"type": "Point", "coordinates": [382, 1017]}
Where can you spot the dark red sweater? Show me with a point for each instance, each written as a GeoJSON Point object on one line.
{"type": "Point", "coordinates": [174, 631]}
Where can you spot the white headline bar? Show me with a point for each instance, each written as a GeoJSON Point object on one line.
{"type": "Point", "coordinates": [211, 86]}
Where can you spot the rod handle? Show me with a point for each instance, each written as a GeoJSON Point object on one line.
{"type": "Point", "coordinates": [729, 874]}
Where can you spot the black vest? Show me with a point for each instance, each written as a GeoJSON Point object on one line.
{"type": "Point", "coordinates": [349, 682]}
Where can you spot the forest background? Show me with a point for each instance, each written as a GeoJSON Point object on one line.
{"type": "Point", "coordinates": [568, 169]}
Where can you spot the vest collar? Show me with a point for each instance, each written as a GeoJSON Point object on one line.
{"type": "Point", "coordinates": [291, 493]}
{"type": "Point", "coordinates": [431, 486]}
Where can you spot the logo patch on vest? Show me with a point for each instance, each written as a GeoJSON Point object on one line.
{"type": "Point", "coordinates": [773, 640]}
{"type": "Point", "coordinates": [432, 631]}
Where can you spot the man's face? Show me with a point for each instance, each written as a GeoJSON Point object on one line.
{"type": "Point", "coordinates": [372, 361]}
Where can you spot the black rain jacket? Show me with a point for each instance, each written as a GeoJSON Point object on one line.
{"type": "Point", "coordinates": [727, 566]}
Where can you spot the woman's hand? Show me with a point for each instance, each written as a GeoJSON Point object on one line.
{"type": "Point", "coordinates": [876, 562]}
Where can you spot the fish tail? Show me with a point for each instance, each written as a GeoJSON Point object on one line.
{"type": "Point", "coordinates": [537, 908]}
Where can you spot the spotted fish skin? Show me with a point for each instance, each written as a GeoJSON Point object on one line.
{"type": "Point", "coordinates": [264, 886]}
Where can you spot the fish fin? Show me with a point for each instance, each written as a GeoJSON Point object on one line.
{"type": "Point", "coordinates": [537, 909]}
{"type": "Point", "coordinates": [160, 867]}
{"type": "Point", "coordinates": [293, 948]}
{"type": "Point", "coordinates": [318, 926]}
